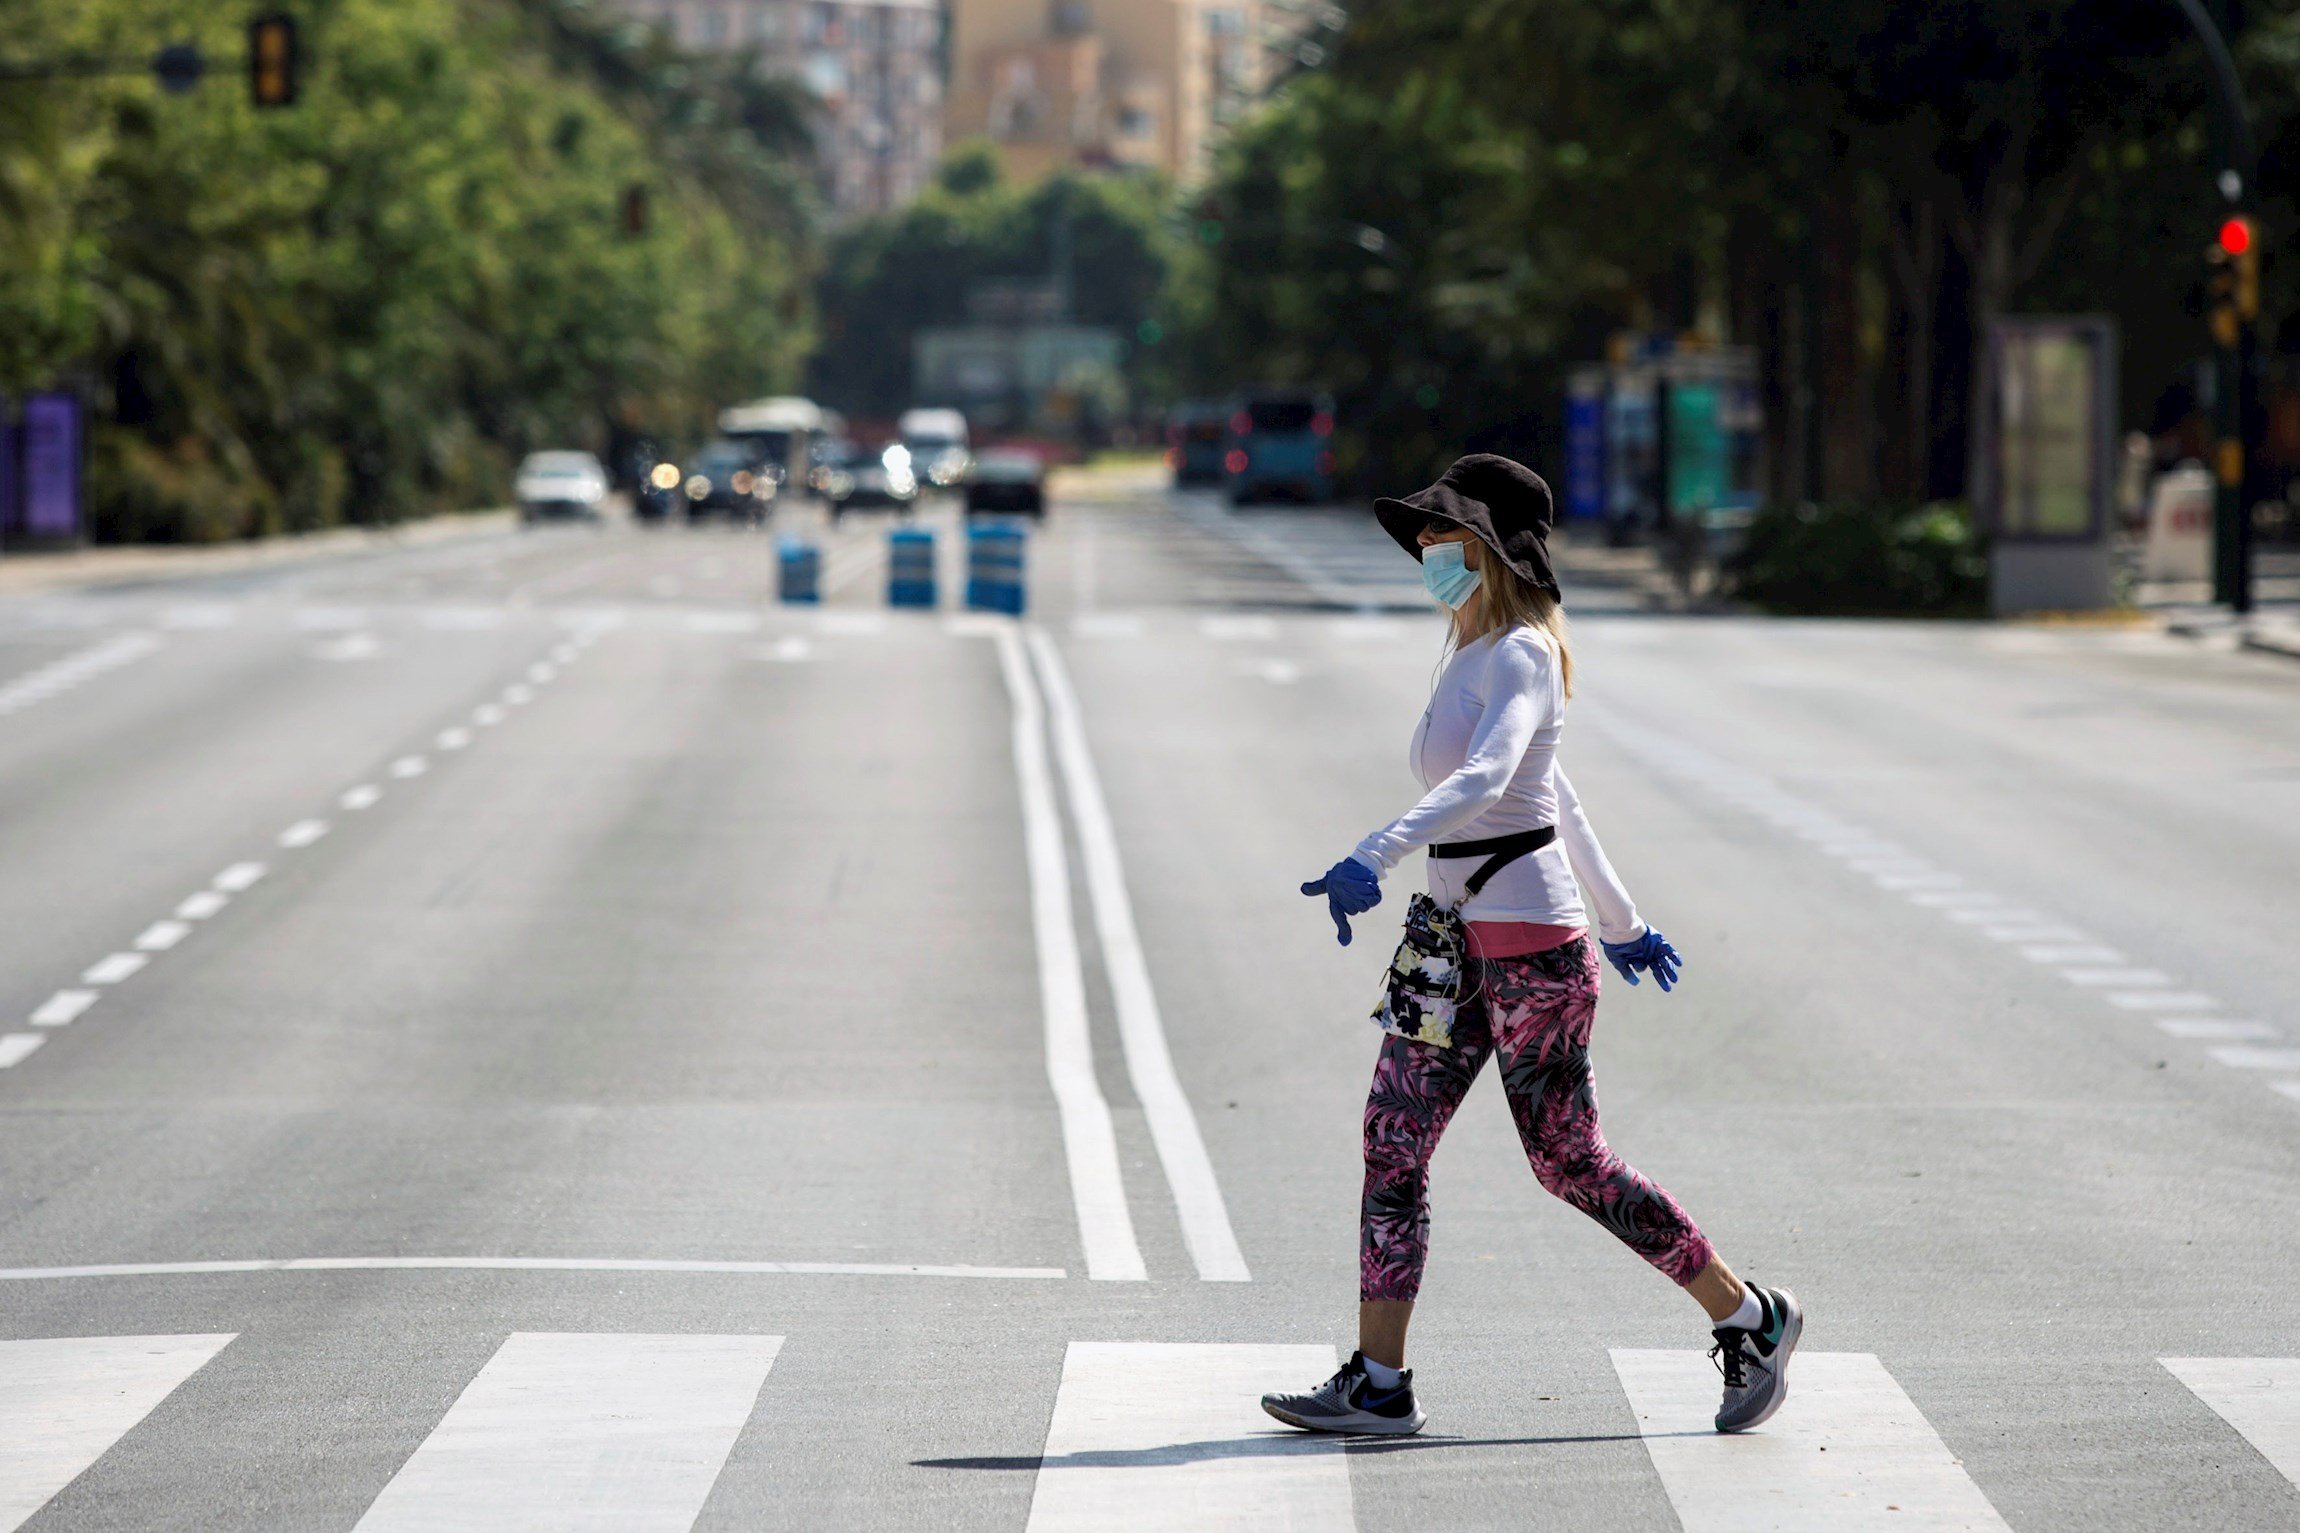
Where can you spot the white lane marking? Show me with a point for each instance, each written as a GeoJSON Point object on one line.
{"type": "Point", "coordinates": [352, 646]}
{"type": "Point", "coordinates": [464, 619]}
{"type": "Point", "coordinates": [789, 651]}
{"type": "Point", "coordinates": [64, 1402]}
{"type": "Point", "coordinates": [2258, 1396]}
{"type": "Point", "coordinates": [1171, 1438]}
{"type": "Point", "coordinates": [111, 970]}
{"type": "Point", "coordinates": [1848, 1450]}
{"type": "Point", "coordinates": [15, 1046]}
{"type": "Point", "coordinates": [1916, 881]}
{"type": "Point", "coordinates": [2240, 1056]}
{"type": "Point", "coordinates": [973, 625]}
{"type": "Point", "coordinates": [64, 1007]}
{"type": "Point", "coordinates": [162, 935]}
{"type": "Point", "coordinates": [1089, 1141]}
{"type": "Point", "coordinates": [487, 715]}
{"type": "Point", "coordinates": [452, 739]}
{"type": "Point", "coordinates": [542, 672]}
{"type": "Point", "coordinates": [200, 905]}
{"type": "Point", "coordinates": [517, 695]}
{"type": "Point", "coordinates": [2133, 977]}
{"type": "Point", "coordinates": [1149, 1062]}
{"type": "Point", "coordinates": [2289, 1088]}
{"type": "Point", "coordinates": [565, 654]}
{"type": "Point", "coordinates": [2159, 1000]}
{"type": "Point", "coordinates": [1108, 625]}
{"type": "Point", "coordinates": [37, 686]}
{"type": "Point", "coordinates": [2213, 1027]}
{"type": "Point", "coordinates": [1998, 915]}
{"type": "Point", "coordinates": [849, 625]}
{"type": "Point", "coordinates": [2063, 953]}
{"type": "Point", "coordinates": [409, 766]}
{"type": "Point", "coordinates": [570, 1431]}
{"type": "Point", "coordinates": [530, 1264]}
{"type": "Point", "coordinates": [1953, 899]}
{"type": "Point", "coordinates": [239, 877]}
{"type": "Point", "coordinates": [366, 796]}
{"type": "Point", "coordinates": [303, 833]}
{"type": "Point", "coordinates": [2035, 931]}
{"type": "Point", "coordinates": [329, 619]}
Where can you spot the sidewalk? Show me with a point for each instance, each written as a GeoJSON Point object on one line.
{"type": "Point", "coordinates": [33, 573]}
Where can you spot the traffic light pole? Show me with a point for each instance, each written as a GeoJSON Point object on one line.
{"type": "Point", "coordinates": [2235, 296]}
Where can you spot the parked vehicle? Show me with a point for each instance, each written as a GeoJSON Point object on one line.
{"type": "Point", "coordinates": [1197, 434]}
{"type": "Point", "coordinates": [1005, 480]}
{"type": "Point", "coordinates": [782, 431]}
{"type": "Point", "coordinates": [732, 479]}
{"type": "Point", "coordinates": [937, 440]}
{"type": "Point", "coordinates": [1279, 442]}
{"type": "Point", "coordinates": [860, 477]}
{"type": "Point", "coordinates": [560, 486]}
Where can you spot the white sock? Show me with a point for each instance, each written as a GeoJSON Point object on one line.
{"type": "Point", "coordinates": [1749, 1316]}
{"type": "Point", "coordinates": [1381, 1375]}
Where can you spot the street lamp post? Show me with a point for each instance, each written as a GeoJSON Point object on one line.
{"type": "Point", "coordinates": [2235, 256]}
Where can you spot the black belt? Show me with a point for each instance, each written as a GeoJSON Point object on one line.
{"type": "Point", "coordinates": [1499, 852]}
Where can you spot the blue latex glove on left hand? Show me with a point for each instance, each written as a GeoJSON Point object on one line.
{"type": "Point", "coordinates": [1651, 953]}
{"type": "Point", "coordinates": [1351, 889]}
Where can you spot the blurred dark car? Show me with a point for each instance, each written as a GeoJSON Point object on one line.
{"type": "Point", "coordinates": [858, 477]}
{"type": "Point", "coordinates": [1196, 435]}
{"type": "Point", "coordinates": [560, 485]}
{"type": "Point", "coordinates": [658, 495]}
{"type": "Point", "coordinates": [1006, 481]}
{"type": "Point", "coordinates": [729, 479]}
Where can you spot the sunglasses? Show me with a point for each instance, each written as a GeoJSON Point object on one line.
{"type": "Point", "coordinates": [1438, 527]}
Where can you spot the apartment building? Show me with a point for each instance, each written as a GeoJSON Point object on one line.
{"type": "Point", "coordinates": [1148, 84]}
{"type": "Point", "coordinates": [875, 65]}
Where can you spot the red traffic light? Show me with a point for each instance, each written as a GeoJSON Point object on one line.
{"type": "Point", "coordinates": [2236, 236]}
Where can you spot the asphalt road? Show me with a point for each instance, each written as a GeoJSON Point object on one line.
{"type": "Point", "coordinates": [528, 1032]}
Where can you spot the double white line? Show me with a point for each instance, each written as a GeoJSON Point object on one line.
{"type": "Point", "coordinates": [1105, 1224]}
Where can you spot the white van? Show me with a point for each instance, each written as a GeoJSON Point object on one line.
{"type": "Point", "coordinates": [937, 442]}
{"type": "Point", "coordinates": [782, 430]}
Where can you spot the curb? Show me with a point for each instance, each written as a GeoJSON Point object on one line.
{"type": "Point", "coordinates": [33, 574]}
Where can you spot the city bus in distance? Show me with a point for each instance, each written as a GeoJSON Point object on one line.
{"type": "Point", "coordinates": [782, 432]}
{"type": "Point", "coordinates": [1279, 442]}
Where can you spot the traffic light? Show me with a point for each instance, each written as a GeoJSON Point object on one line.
{"type": "Point", "coordinates": [2240, 243]}
{"type": "Point", "coordinates": [272, 60]}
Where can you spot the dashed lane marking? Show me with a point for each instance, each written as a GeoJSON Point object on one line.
{"type": "Point", "coordinates": [16, 1047]}
{"type": "Point", "coordinates": [62, 1008]}
{"type": "Point", "coordinates": [452, 739]}
{"type": "Point", "coordinates": [162, 935]}
{"type": "Point", "coordinates": [239, 878]}
{"type": "Point", "coordinates": [2215, 1028]}
{"type": "Point", "coordinates": [200, 905]}
{"type": "Point", "coordinates": [302, 834]}
{"type": "Point", "coordinates": [488, 715]}
{"type": "Point", "coordinates": [408, 766]}
{"type": "Point", "coordinates": [365, 796]}
{"type": "Point", "coordinates": [2240, 1056]}
{"type": "Point", "coordinates": [113, 969]}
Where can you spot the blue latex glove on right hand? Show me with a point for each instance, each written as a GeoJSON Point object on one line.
{"type": "Point", "coordinates": [1651, 953]}
{"type": "Point", "coordinates": [1351, 889]}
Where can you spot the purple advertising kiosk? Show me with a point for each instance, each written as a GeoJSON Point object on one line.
{"type": "Point", "coordinates": [48, 464]}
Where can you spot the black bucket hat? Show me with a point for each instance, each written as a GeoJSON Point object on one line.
{"type": "Point", "coordinates": [1505, 503]}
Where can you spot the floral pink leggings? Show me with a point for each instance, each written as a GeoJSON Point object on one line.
{"type": "Point", "coordinates": [1539, 1008]}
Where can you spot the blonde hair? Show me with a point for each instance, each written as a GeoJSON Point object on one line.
{"type": "Point", "coordinates": [1505, 600]}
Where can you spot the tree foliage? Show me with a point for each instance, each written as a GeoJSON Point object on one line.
{"type": "Point", "coordinates": [1855, 188]}
{"type": "Point", "coordinates": [364, 307]}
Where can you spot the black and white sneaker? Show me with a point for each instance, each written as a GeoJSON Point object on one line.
{"type": "Point", "coordinates": [1756, 1362]}
{"type": "Point", "coordinates": [1349, 1402]}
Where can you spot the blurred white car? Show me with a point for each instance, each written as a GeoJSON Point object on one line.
{"type": "Point", "coordinates": [560, 484]}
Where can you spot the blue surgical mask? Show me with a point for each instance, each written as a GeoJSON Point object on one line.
{"type": "Point", "coordinates": [1444, 575]}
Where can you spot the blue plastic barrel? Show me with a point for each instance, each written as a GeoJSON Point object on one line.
{"type": "Point", "coordinates": [800, 574]}
{"type": "Point", "coordinates": [910, 567]}
{"type": "Point", "coordinates": [995, 567]}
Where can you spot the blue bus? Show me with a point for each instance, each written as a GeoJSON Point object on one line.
{"type": "Point", "coordinates": [1280, 443]}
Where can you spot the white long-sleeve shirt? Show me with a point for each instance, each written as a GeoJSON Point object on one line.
{"type": "Point", "coordinates": [1486, 752]}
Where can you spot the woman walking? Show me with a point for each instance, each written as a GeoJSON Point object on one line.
{"type": "Point", "coordinates": [1498, 961]}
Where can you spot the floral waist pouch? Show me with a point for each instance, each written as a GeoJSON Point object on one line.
{"type": "Point", "coordinates": [1422, 988]}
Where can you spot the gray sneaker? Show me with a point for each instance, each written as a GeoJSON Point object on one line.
{"type": "Point", "coordinates": [1348, 1402]}
{"type": "Point", "coordinates": [1756, 1362]}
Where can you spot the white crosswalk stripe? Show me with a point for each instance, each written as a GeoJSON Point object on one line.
{"type": "Point", "coordinates": [1171, 1437]}
{"type": "Point", "coordinates": [566, 1432]}
{"type": "Point", "coordinates": [1848, 1451]}
{"type": "Point", "coordinates": [2258, 1396]}
{"type": "Point", "coordinates": [64, 1402]}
